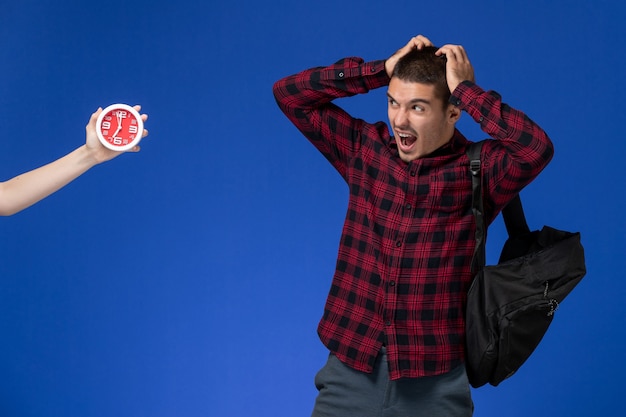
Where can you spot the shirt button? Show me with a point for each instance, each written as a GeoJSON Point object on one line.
{"type": "Point", "coordinates": [398, 243]}
{"type": "Point", "coordinates": [392, 284]}
{"type": "Point", "coordinates": [481, 119]}
{"type": "Point", "coordinates": [412, 173]}
{"type": "Point", "coordinates": [341, 75]}
{"type": "Point", "coordinates": [408, 206]}
{"type": "Point", "coordinates": [388, 323]}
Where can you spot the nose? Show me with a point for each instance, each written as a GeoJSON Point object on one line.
{"type": "Point", "coordinates": [400, 118]}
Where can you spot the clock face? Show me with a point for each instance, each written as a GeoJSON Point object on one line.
{"type": "Point", "coordinates": [119, 127]}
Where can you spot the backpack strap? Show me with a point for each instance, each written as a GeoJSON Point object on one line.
{"type": "Point", "coordinates": [513, 212]}
{"type": "Point", "coordinates": [473, 153]}
{"type": "Point", "coordinates": [514, 218]}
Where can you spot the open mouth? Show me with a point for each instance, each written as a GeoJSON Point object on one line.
{"type": "Point", "coordinates": [407, 140]}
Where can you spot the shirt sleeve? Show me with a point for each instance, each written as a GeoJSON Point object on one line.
{"type": "Point", "coordinates": [520, 151]}
{"type": "Point", "coordinates": [306, 99]}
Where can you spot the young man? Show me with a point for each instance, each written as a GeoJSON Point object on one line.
{"type": "Point", "coordinates": [25, 190]}
{"type": "Point", "coordinates": [394, 318]}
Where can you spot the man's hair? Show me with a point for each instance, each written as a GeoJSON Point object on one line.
{"type": "Point", "coordinates": [424, 67]}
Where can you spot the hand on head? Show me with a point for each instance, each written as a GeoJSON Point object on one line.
{"type": "Point", "coordinates": [416, 42]}
{"type": "Point", "coordinates": [458, 66]}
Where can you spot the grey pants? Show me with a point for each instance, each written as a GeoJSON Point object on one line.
{"type": "Point", "coordinates": [345, 392]}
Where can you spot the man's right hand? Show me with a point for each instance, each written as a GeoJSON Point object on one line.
{"type": "Point", "coordinates": [417, 42]}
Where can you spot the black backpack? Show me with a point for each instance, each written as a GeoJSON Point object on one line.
{"type": "Point", "coordinates": [510, 305]}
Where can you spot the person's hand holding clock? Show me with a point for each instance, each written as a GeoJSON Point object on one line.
{"type": "Point", "coordinates": [119, 127]}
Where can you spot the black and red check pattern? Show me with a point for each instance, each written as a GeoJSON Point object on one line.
{"type": "Point", "coordinates": [403, 267]}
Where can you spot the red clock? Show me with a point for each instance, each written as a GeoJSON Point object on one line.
{"type": "Point", "coordinates": [119, 127]}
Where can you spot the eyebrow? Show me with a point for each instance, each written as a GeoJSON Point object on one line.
{"type": "Point", "coordinates": [413, 101]}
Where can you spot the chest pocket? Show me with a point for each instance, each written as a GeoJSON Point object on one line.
{"type": "Point", "coordinates": [450, 192]}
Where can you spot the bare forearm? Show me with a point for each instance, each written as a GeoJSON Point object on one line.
{"type": "Point", "coordinates": [26, 189]}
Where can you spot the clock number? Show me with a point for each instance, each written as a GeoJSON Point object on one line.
{"type": "Point", "coordinates": [106, 125]}
{"type": "Point", "coordinates": [132, 129]}
{"type": "Point", "coordinates": [117, 141]}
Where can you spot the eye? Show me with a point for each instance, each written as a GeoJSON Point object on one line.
{"type": "Point", "coordinates": [392, 102]}
{"type": "Point", "coordinates": [418, 108]}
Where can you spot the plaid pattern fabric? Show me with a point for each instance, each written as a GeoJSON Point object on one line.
{"type": "Point", "coordinates": [403, 267]}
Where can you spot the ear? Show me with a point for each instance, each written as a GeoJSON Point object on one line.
{"type": "Point", "coordinates": [454, 114]}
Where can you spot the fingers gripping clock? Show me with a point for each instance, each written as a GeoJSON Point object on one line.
{"type": "Point", "coordinates": [119, 127]}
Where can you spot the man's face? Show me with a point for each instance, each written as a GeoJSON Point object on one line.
{"type": "Point", "coordinates": [419, 121]}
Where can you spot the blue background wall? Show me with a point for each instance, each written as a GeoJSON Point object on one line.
{"type": "Point", "coordinates": [188, 279]}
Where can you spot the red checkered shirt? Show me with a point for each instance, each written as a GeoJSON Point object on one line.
{"type": "Point", "coordinates": [403, 267]}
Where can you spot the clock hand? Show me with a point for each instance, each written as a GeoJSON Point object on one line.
{"type": "Point", "coordinates": [119, 123]}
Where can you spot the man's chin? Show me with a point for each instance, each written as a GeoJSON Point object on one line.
{"type": "Point", "coordinates": [406, 157]}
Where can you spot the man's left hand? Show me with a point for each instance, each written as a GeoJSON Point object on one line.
{"type": "Point", "coordinates": [458, 66]}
